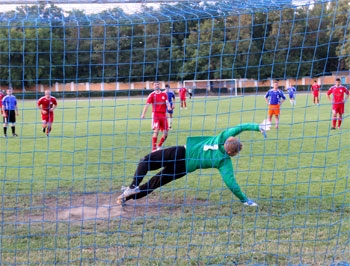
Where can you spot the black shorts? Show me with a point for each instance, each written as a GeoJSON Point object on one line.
{"type": "Point", "coordinates": [173, 159]}
{"type": "Point", "coordinates": [10, 117]}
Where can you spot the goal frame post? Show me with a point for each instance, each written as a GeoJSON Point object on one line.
{"type": "Point", "coordinates": [230, 84]}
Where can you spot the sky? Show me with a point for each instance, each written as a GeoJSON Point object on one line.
{"type": "Point", "coordinates": [89, 8]}
{"type": "Point", "coordinates": [98, 7]}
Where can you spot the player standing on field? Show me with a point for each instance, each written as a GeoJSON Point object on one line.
{"type": "Point", "coordinates": [160, 104]}
{"type": "Point", "coordinates": [338, 102]}
{"type": "Point", "coordinates": [183, 93]}
{"type": "Point", "coordinates": [316, 92]}
{"type": "Point", "coordinates": [2, 95]}
{"type": "Point", "coordinates": [292, 92]}
{"type": "Point", "coordinates": [9, 112]}
{"type": "Point", "coordinates": [171, 99]}
{"type": "Point", "coordinates": [274, 98]}
{"type": "Point", "coordinates": [47, 105]}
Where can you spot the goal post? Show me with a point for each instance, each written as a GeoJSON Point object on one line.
{"type": "Point", "coordinates": [229, 86]}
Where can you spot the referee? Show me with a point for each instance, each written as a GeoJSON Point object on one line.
{"type": "Point", "coordinates": [9, 112]}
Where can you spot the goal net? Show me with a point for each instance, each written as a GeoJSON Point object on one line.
{"type": "Point", "coordinates": [99, 59]}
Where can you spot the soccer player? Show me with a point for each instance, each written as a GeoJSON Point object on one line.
{"type": "Point", "coordinates": [292, 92]}
{"type": "Point", "coordinates": [9, 112]}
{"type": "Point", "coordinates": [47, 105]}
{"type": "Point", "coordinates": [2, 95]}
{"type": "Point", "coordinates": [159, 101]}
{"type": "Point", "coordinates": [338, 102]}
{"type": "Point", "coordinates": [183, 93]}
{"type": "Point", "coordinates": [190, 93]}
{"type": "Point", "coordinates": [315, 88]}
{"type": "Point", "coordinates": [171, 99]}
{"type": "Point", "coordinates": [198, 153]}
{"type": "Point", "coordinates": [274, 98]}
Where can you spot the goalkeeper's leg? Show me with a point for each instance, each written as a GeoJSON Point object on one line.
{"type": "Point", "coordinates": [162, 178]}
{"type": "Point", "coordinates": [173, 161]}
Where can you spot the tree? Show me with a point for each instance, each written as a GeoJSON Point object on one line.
{"type": "Point", "coordinates": [340, 11]}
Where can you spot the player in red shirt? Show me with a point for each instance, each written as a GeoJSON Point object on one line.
{"type": "Point", "coordinates": [47, 105]}
{"type": "Point", "coordinates": [338, 101]}
{"type": "Point", "coordinates": [159, 101]}
{"type": "Point", "coordinates": [182, 93]}
{"type": "Point", "coordinates": [316, 92]}
{"type": "Point", "coordinates": [2, 95]}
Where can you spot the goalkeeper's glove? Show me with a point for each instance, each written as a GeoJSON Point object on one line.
{"type": "Point", "coordinates": [251, 203]}
{"type": "Point", "coordinates": [264, 126]}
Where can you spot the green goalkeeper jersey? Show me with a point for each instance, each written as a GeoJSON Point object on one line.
{"type": "Point", "coordinates": [209, 152]}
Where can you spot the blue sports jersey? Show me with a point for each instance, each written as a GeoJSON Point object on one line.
{"type": "Point", "coordinates": [171, 96]}
{"type": "Point", "coordinates": [9, 102]}
{"type": "Point", "coordinates": [291, 92]}
{"type": "Point", "coordinates": [275, 96]}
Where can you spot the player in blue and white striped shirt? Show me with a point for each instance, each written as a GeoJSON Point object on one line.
{"type": "Point", "coordinates": [9, 112]}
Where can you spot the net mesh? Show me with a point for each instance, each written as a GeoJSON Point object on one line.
{"type": "Point", "coordinates": [59, 193]}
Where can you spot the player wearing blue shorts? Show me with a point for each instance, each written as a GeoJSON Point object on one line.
{"type": "Point", "coordinates": [171, 99]}
{"type": "Point", "coordinates": [292, 92]}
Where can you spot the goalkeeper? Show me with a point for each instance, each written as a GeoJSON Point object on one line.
{"type": "Point", "coordinates": [198, 153]}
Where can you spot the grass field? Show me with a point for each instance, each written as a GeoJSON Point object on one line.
{"type": "Point", "coordinates": [298, 176]}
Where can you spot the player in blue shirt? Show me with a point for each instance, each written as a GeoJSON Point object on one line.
{"type": "Point", "coordinates": [9, 112]}
{"type": "Point", "coordinates": [292, 91]}
{"type": "Point", "coordinates": [171, 99]}
{"type": "Point", "coordinates": [274, 98]}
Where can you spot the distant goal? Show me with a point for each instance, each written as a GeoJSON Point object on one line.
{"type": "Point", "coordinates": [214, 85]}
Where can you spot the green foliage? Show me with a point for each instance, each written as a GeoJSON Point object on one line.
{"type": "Point", "coordinates": [44, 44]}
